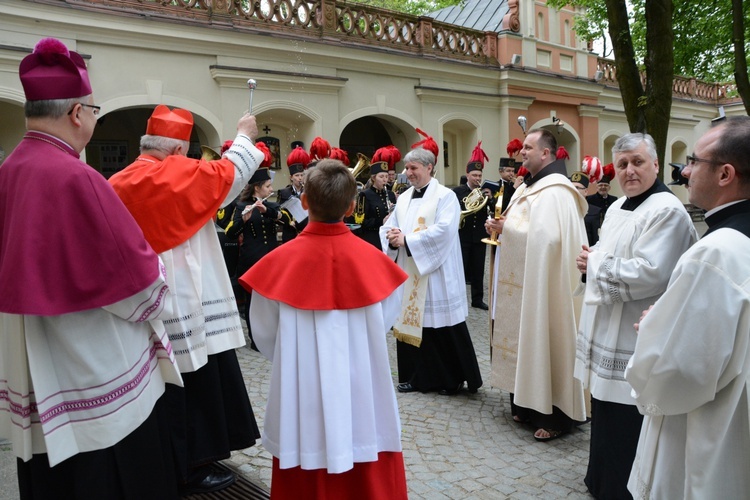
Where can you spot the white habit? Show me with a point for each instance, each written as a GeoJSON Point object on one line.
{"type": "Point", "coordinates": [628, 270]}
{"type": "Point", "coordinates": [335, 407]}
{"type": "Point", "coordinates": [690, 373]}
{"type": "Point", "coordinates": [69, 385]}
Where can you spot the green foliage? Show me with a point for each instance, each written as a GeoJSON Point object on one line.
{"type": "Point", "coordinates": [702, 34]}
{"type": "Point", "coordinates": [415, 7]}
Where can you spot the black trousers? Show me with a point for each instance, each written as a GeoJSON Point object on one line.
{"type": "Point", "coordinates": [556, 421]}
{"type": "Point", "coordinates": [473, 254]}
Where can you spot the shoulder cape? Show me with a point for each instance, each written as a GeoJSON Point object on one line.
{"type": "Point", "coordinates": [67, 243]}
{"type": "Point", "coordinates": [326, 267]}
{"type": "Point", "coordinates": [172, 199]}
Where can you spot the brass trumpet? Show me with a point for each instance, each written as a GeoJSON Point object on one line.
{"type": "Point", "coordinates": [474, 202]}
{"type": "Point", "coordinates": [209, 154]}
{"type": "Point", "coordinates": [360, 171]}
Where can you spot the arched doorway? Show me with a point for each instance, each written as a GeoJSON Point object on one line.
{"type": "Point", "coordinates": [115, 143]}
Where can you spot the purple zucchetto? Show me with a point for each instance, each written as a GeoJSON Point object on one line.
{"type": "Point", "coordinates": [53, 72]}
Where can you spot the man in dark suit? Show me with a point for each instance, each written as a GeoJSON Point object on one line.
{"type": "Point", "coordinates": [602, 198]}
{"type": "Point", "coordinates": [294, 189]}
{"type": "Point", "coordinates": [471, 231]}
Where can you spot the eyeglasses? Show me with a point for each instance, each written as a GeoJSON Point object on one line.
{"type": "Point", "coordinates": [692, 160]}
{"type": "Point", "coordinates": [94, 109]}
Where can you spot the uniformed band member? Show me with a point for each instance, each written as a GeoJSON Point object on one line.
{"type": "Point", "coordinates": [602, 198]}
{"type": "Point", "coordinates": [374, 204]}
{"type": "Point", "coordinates": [297, 161]}
{"type": "Point", "coordinates": [592, 219]}
{"type": "Point", "coordinates": [255, 218]}
{"type": "Point", "coordinates": [471, 230]}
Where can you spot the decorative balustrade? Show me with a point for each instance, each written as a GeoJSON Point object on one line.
{"type": "Point", "coordinates": [682, 87]}
{"type": "Point", "coordinates": [323, 19]}
{"type": "Point", "coordinates": [357, 24]}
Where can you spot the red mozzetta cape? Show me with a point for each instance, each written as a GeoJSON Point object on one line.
{"type": "Point", "coordinates": [172, 199]}
{"type": "Point", "coordinates": [67, 243]}
{"type": "Point", "coordinates": [339, 271]}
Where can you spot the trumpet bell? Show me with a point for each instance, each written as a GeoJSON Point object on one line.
{"type": "Point", "coordinates": [474, 202]}
{"type": "Point", "coordinates": [361, 170]}
{"type": "Point", "coordinates": [209, 154]}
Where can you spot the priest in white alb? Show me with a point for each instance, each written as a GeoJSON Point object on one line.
{"type": "Point", "coordinates": [534, 335]}
{"type": "Point", "coordinates": [434, 347]}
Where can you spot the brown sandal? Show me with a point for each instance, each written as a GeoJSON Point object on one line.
{"type": "Point", "coordinates": [552, 434]}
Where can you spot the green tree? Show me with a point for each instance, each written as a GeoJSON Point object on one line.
{"type": "Point", "coordinates": [647, 106]}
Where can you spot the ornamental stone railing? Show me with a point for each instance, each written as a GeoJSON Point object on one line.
{"type": "Point", "coordinates": [333, 21]}
{"type": "Point", "coordinates": [682, 87]}
{"type": "Point", "coordinates": [328, 20]}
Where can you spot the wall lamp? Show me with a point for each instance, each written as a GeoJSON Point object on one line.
{"type": "Point", "coordinates": [559, 124]}
{"type": "Point", "coordinates": [522, 123]}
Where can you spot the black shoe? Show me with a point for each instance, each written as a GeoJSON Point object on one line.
{"type": "Point", "coordinates": [451, 392]}
{"type": "Point", "coordinates": [405, 387]}
{"type": "Point", "coordinates": [480, 305]}
{"type": "Point", "coordinates": [208, 481]}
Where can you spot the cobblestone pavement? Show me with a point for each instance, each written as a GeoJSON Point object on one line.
{"type": "Point", "coordinates": [455, 447]}
{"type": "Point", "coordinates": [459, 447]}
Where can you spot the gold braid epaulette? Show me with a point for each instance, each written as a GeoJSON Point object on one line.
{"type": "Point", "coordinates": [359, 212]}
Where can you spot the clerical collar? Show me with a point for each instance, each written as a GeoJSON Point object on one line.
{"type": "Point", "coordinates": [731, 215]}
{"type": "Point", "coordinates": [632, 203]}
{"type": "Point", "coordinates": [556, 167]}
{"type": "Point", "coordinates": [418, 193]}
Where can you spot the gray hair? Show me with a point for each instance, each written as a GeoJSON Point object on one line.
{"type": "Point", "coordinates": [164, 144]}
{"type": "Point", "coordinates": [421, 155]}
{"type": "Point", "coordinates": [51, 108]}
{"type": "Point", "coordinates": [629, 142]}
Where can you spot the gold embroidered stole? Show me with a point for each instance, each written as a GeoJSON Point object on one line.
{"type": "Point", "coordinates": [508, 292]}
{"type": "Point", "coordinates": [408, 327]}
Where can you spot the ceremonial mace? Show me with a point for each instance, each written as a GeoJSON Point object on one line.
{"type": "Point", "coordinates": [492, 241]}
{"type": "Point", "coordinates": [252, 85]}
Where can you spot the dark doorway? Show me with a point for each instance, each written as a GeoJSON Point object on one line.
{"type": "Point", "coordinates": [364, 135]}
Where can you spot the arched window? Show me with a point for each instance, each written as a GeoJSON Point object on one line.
{"type": "Point", "coordinates": [540, 31]}
{"type": "Point", "coordinates": [566, 33]}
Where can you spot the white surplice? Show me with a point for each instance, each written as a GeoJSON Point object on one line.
{"type": "Point", "coordinates": [205, 318]}
{"type": "Point", "coordinates": [628, 270]}
{"type": "Point", "coordinates": [331, 401]}
{"type": "Point", "coordinates": [83, 381]}
{"type": "Point", "coordinates": [689, 374]}
{"type": "Point", "coordinates": [437, 253]}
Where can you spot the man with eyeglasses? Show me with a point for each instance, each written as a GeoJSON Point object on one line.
{"type": "Point", "coordinates": [691, 365]}
{"type": "Point", "coordinates": [643, 235]}
{"type": "Point", "coordinates": [82, 370]}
